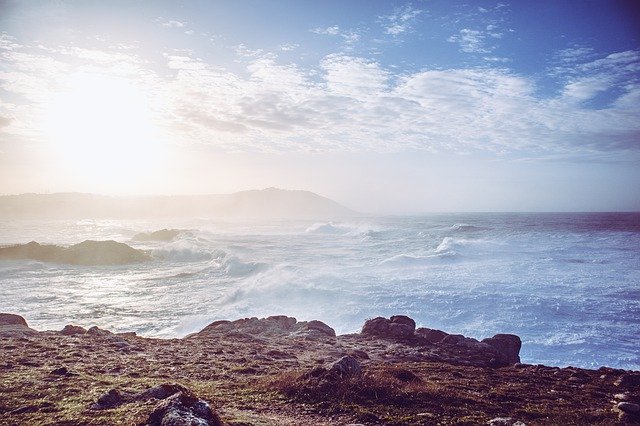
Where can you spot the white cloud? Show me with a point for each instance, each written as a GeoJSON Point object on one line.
{"type": "Point", "coordinates": [470, 41]}
{"type": "Point", "coordinates": [349, 37]}
{"type": "Point", "coordinates": [400, 21]}
{"type": "Point", "coordinates": [333, 30]}
{"type": "Point", "coordinates": [288, 47]}
{"type": "Point", "coordinates": [348, 103]}
{"type": "Point", "coordinates": [173, 24]}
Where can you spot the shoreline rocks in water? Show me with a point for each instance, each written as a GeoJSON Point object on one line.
{"type": "Point", "coordinates": [161, 235]}
{"type": "Point", "coordinates": [87, 253]}
{"type": "Point", "coordinates": [278, 370]}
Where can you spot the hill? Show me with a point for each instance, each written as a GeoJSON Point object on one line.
{"type": "Point", "coordinates": [268, 203]}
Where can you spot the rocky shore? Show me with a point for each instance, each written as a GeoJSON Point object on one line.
{"type": "Point", "coordinates": [279, 371]}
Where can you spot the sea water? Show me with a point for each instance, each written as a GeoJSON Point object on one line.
{"type": "Point", "coordinates": [567, 284]}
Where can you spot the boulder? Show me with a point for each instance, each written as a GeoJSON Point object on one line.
{"type": "Point", "coordinates": [431, 335]}
{"type": "Point", "coordinates": [12, 325]}
{"type": "Point", "coordinates": [273, 326]}
{"type": "Point", "coordinates": [161, 235]}
{"type": "Point", "coordinates": [71, 330]}
{"type": "Point", "coordinates": [507, 346]}
{"type": "Point", "coordinates": [12, 319]}
{"type": "Point", "coordinates": [85, 253]}
{"type": "Point", "coordinates": [95, 331]}
{"type": "Point", "coordinates": [397, 327]}
{"type": "Point", "coordinates": [345, 367]}
{"type": "Point", "coordinates": [183, 409]}
{"type": "Point", "coordinates": [313, 330]}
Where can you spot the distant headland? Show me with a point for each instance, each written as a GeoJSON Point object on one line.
{"type": "Point", "coordinates": [270, 203]}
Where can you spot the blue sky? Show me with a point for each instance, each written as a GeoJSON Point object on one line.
{"type": "Point", "coordinates": [395, 107]}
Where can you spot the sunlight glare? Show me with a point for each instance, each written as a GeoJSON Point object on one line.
{"type": "Point", "coordinates": [103, 130]}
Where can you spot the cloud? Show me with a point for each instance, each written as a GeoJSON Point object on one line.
{"type": "Point", "coordinates": [288, 47]}
{"type": "Point", "coordinates": [173, 24]}
{"type": "Point", "coordinates": [470, 41]}
{"type": "Point", "coordinates": [350, 103]}
{"type": "Point", "coordinates": [348, 36]}
{"type": "Point", "coordinates": [400, 21]}
{"type": "Point", "coordinates": [333, 30]}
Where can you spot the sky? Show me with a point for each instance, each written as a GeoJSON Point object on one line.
{"type": "Point", "coordinates": [385, 106]}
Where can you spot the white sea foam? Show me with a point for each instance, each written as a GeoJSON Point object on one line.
{"type": "Point", "coordinates": [566, 284]}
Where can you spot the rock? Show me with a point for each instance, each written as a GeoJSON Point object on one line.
{"type": "Point", "coordinates": [628, 407]}
{"type": "Point", "coordinates": [319, 326]}
{"type": "Point", "coordinates": [403, 319]}
{"type": "Point", "coordinates": [71, 330]}
{"type": "Point", "coordinates": [183, 409]}
{"type": "Point", "coordinates": [102, 253]}
{"type": "Point", "coordinates": [431, 335]}
{"type": "Point", "coordinates": [161, 235]}
{"type": "Point", "coordinates": [95, 331]}
{"type": "Point", "coordinates": [162, 391]}
{"type": "Point", "coordinates": [62, 371]}
{"type": "Point", "coordinates": [504, 421]}
{"type": "Point", "coordinates": [397, 327]}
{"type": "Point", "coordinates": [111, 399]}
{"type": "Point", "coordinates": [346, 367]}
{"type": "Point", "coordinates": [12, 325]}
{"type": "Point", "coordinates": [85, 253]}
{"type": "Point", "coordinates": [12, 319]}
{"type": "Point", "coordinates": [507, 345]}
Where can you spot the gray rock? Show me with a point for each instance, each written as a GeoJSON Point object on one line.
{"type": "Point", "coordinates": [504, 421]}
{"type": "Point", "coordinates": [346, 366]}
{"type": "Point", "coordinates": [628, 407]}
{"type": "Point", "coordinates": [183, 409]}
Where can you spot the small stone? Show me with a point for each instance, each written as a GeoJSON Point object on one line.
{"type": "Point", "coordinates": [62, 371]}
{"type": "Point", "coordinates": [621, 397]}
{"type": "Point", "coordinates": [628, 407]}
{"type": "Point", "coordinates": [505, 421]}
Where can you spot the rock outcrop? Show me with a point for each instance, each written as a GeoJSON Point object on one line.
{"type": "Point", "coordinates": [161, 235]}
{"type": "Point", "coordinates": [85, 253]}
{"type": "Point", "coordinates": [273, 326]}
{"type": "Point", "coordinates": [396, 327]}
{"type": "Point", "coordinates": [12, 325]}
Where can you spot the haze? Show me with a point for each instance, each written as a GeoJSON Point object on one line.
{"type": "Point", "coordinates": [385, 107]}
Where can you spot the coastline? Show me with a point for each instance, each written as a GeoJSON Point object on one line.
{"type": "Point", "coordinates": [280, 371]}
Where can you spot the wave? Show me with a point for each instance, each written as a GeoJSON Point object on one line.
{"type": "Point", "coordinates": [408, 260]}
{"type": "Point", "coordinates": [464, 227]}
{"type": "Point", "coordinates": [332, 228]}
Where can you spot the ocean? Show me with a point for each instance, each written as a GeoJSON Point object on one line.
{"type": "Point", "coordinates": [567, 284]}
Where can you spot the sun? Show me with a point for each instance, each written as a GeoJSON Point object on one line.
{"type": "Point", "coordinates": [102, 130]}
